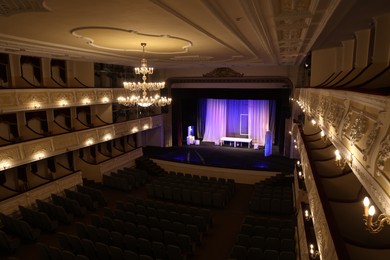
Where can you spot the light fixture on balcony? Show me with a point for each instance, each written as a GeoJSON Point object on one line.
{"type": "Point", "coordinates": [373, 226]}
{"type": "Point", "coordinates": [323, 136]}
{"type": "Point", "coordinates": [144, 100]}
{"type": "Point", "coordinates": [307, 214]}
{"type": "Point", "coordinates": [314, 254]}
{"type": "Point", "coordinates": [340, 162]}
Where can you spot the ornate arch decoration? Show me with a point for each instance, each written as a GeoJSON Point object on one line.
{"type": "Point", "coordinates": [227, 75]}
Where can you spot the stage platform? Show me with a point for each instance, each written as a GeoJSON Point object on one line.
{"type": "Point", "coordinates": [222, 156]}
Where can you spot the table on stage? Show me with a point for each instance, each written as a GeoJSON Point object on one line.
{"type": "Point", "coordinates": [235, 140]}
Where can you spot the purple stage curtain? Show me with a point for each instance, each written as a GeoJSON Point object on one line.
{"type": "Point", "coordinates": [258, 117]}
{"type": "Point", "coordinates": [223, 119]}
{"type": "Point", "coordinates": [235, 108]}
{"type": "Point", "coordinates": [215, 120]}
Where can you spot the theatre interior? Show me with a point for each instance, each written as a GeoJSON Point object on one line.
{"type": "Point", "coordinates": [198, 130]}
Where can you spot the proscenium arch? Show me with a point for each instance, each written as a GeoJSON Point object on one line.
{"type": "Point", "coordinates": [186, 92]}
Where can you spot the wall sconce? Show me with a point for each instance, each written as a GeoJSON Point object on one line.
{"type": "Point", "coordinates": [323, 136]}
{"type": "Point", "coordinates": [36, 106]}
{"type": "Point", "coordinates": [314, 254]}
{"type": "Point", "coordinates": [107, 137]}
{"type": "Point", "coordinates": [63, 103]}
{"type": "Point", "coordinates": [373, 226]}
{"type": "Point", "coordinates": [5, 166]}
{"type": "Point", "coordinates": [307, 215]}
{"type": "Point", "coordinates": [89, 142]}
{"type": "Point", "coordinates": [86, 101]}
{"type": "Point", "coordinates": [340, 162]}
{"type": "Point", "coordinates": [39, 155]}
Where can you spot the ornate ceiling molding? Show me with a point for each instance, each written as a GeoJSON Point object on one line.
{"type": "Point", "coordinates": [9, 8]}
{"type": "Point", "coordinates": [118, 39]}
{"type": "Point", "coordinates": [223, 72]}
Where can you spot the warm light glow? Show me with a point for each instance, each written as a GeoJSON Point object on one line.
{"type": "Point", "coordinates": [289, 132]}
{"type": "Point", "coordinates": [371, 211]}
{"type": "Point", "coordinates": [298, 163]}
{"type": "Point", "coordinates": [63, 102]}
{"type": "Point", "coordinates": [36, 105]}
{"type": "Point", "coordinates": [86, 101]}
{"type": "Point", "coordinates": [366, 202]}
{"type": "Point", "coordinates": [5, 165]}
{"type": "Point", "coordinates": [134, 129]}
{"type": "Point", "coordinates": [313, 122]}
{"type": "Point", "coordinates": [39, 155]}
{"type": "Point", "coordinates": [144, 100]}
{"type": "Point", "coordinates": [145, 127]}
{"type": "Point", "coordinates": [337, 154]}
{"type": "Point", "coordinates": [105, 99]}
{"type": "Point", "coordinates": [107, 137]}
{"type": "Point", "coordinates": [322, 133]}
{"type": "Point", "coordinates": [89, 142]}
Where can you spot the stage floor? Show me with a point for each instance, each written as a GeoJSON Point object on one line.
{"type": "Point", "coordinates": [223, 156]}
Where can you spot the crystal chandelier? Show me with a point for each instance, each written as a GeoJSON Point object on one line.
{"type": "Point", "coordinates": [145, 100]}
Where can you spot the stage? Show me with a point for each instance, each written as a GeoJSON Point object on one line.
{"type": "Point", "coordinates": [208, 154]}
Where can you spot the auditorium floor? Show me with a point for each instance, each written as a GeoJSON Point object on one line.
{"type": "Point", "coordinates": [216, 245]}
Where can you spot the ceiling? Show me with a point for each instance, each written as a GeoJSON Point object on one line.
{"type": "Point", "coordinates": [215, 33]}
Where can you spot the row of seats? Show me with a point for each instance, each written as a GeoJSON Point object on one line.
{"type": "Point", "coordinates": [130, 240]}
{"type": "Point", "coordinates": [200, 181]}
{"type": "Point", "coordinates": [8, 243]}
{"type": "Point", "coordinates": [273, 196]}
{"type": "Point", "coordinates": [149, 228]}
{"type": "Point", "coordinates": [284, 244]}
{"type": "Point", "coordinates": [263, 231]}
{"type": "Point", "coordinates": [96, 194]}
{"type": "Point", "coordinates": [54, 211]}
{"type": "Point", "coordinates": [172, 207]}
{"type": "Point", "coordinates": [281, 192]}
{"type": "Point", "coordinates": [202, 177]}
{"type": "Point", "coordinates": [52, 252]}
{"type": "Point", "coordinates": [187, 194]}
{"type": "Point", "coordinates": [242, 253]}
{"type": "Point", "coordinates": [278, 180]}
{"type": "Point", "coordinates": [18, 227]}
{"type": "Point", "coordinates": [83, 199]}
{"type": "Point", "coordinates": [70, 205]}
{"type": "Point", "coordinates": [116, 182]}
{"type": "Point", "coordinates": [145, 216]}
{"type": "Point", "coordinates": [145, 163]}
{"type": "Point", "coordinates": [38, 219]}
{"type": "Point", "coordinates": [269, 221]}
{"type": "Point", "coordinates": [271, 206]}
{"type": "Point", "coordinates": [141, 176]}
{"type": "Point", "coordinates": [125, 179]}
{"type": "Point", "coordinates": [143, 204]}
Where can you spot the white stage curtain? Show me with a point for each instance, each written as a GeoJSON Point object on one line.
{"type": "Point", "coordinates": [215, 120]}
{"type": "Point", "coordinates": [258, 117]}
